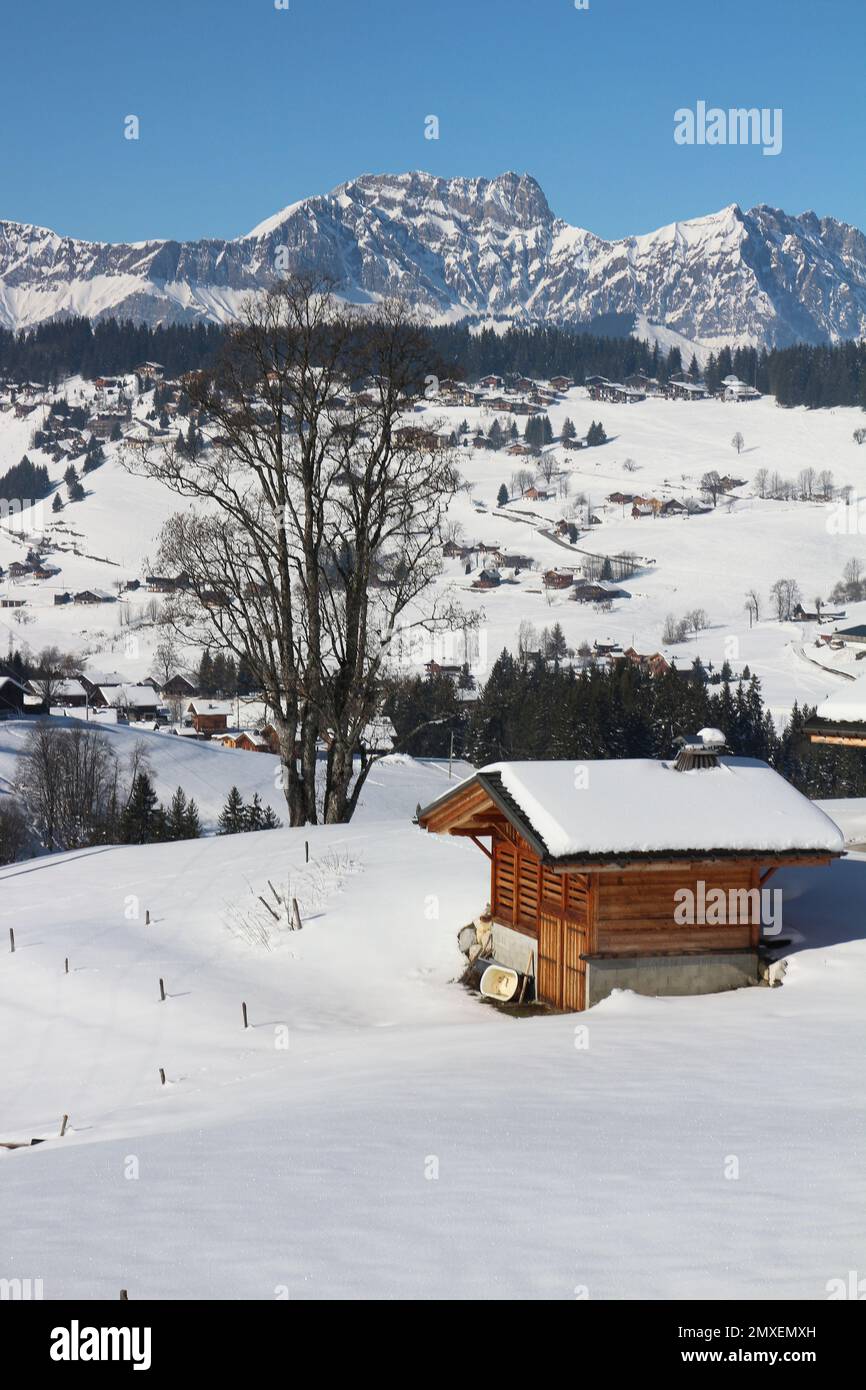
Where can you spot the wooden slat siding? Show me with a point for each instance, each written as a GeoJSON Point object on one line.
{"type": "Point", "coordinates": [755, 938]}
{"type": "Point", "coordinates": [503, 881]}
{"type": "Point", "coordinates": [654, 942]}
{"type": "Point", "coordinates": [528, 887]}
{"type": "Point", "coordinates": [635, 912]}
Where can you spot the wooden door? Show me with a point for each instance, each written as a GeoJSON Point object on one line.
{"type": "Point", "coordinates": [561, 972]}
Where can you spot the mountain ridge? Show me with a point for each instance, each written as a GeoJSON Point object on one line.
{"type": "Point", "coordinates": [486, 249]}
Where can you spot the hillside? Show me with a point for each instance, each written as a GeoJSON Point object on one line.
{"type": "Point", "coordinates": [308, 1145]}
{"type": "Point", "coordinates": [707, 561]}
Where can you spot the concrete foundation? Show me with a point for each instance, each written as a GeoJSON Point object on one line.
{"type": "Point", "coordinates": [659, 975]}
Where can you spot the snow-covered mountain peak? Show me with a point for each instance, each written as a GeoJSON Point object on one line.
{"type": "Point", "coordinates": [489, 249]}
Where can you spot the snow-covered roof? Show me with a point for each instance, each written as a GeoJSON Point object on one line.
{"type": "Point", "coordinates": [644, 806]}
{"type": "Point", "coordinates": [226, 707]}
{"type": "Point", "coordinates": [130, 696]}
{"type": "Point", "coordinates": [847, 706]}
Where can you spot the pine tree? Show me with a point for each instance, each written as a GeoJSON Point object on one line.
{"type": "Point", "coordinates": [192, 822]}
{"type": "Point", "coordinates": [76, 492]}
{"type": "Point", "coordinates": [205, 673]}
{"type": "Point", "coordinates": [139, 819]}
{"type": "Point", "coordinates": [232, 819]}
{"type": "Point", "coordinates": [568, 430]}
{"type": "Point", "coordinates": [57, 504]}
{"type": "Point", "coordinates": [502, 496]}
{"type": "Point", "coordinates": [176, 816]}
{"type": "Point", "coordinates": [253, 814]}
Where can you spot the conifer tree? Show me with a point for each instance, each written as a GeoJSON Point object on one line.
{"type": "Point", "coordinates": [232, 818]}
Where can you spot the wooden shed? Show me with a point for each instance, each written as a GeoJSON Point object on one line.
{"type": "Point", "coordinates": [593, 866]}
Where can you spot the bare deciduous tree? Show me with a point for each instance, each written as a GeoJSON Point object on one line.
{"type": "Point", "coordinates": [317, 519]}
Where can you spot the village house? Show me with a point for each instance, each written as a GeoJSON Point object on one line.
{"type": "Point", "coordinates": [598, 591]}
{"type": "Point", "coordinates": [70, 694]}
{"type": "Point", "coordinates": [558, 579]}
{"type": "Point", "coordinates": [686, 390]}
{"type": "Point", "coordinates": [638, 874]}
{"type": "Point", "coordinates": [131, 702]}
{"type": "Point", "coordinates": [655, 663]}
{"type": "Point", "coordinates": [840, 720]}
{"type": "Point", "coordinates": [561, 383]}
{"type": "Point", "coordinates": [732, 389]}
{"type": "Point", "coordinates": [92, 597]}
{"type": "Point", "coordinates": [209, 717]}
{"type": "Point", "coordinates": [489, 578]}
{"type": "Point", "coordinates": [178, 686]}
{"type": "Point", "coordinates": [150, 372]}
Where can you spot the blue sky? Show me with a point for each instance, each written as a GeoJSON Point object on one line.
{"type": "Point", "coordinates": [244, 108]}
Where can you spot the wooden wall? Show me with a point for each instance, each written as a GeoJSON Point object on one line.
{"type": "Point", "coordinates": [626, 913]}
{"type": "Point", "coordinates": [635, 912]}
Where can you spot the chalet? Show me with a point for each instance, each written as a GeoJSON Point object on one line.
{"type": "Point", "coordinates": [639, 381]}
{"type": "Point", "coordinates": [572, 444]}
{"type": "Point", "coordinates": [150, 371]}
{"type": "Point", "coordinates": [732, 389]}
{"type": "Point", "coordinates": [209, 717]}
{"type": "Point", "coordinates": [453, 550]}
{"type": "Point", "coordinates": [133, 702]}
{"type": "Point", "coordinates": [20, 569]}
{"type": "Point", "coordinates": [12, 602]}
{"type": "Point", "coordinates": [672, 507]}
{"type": "Point", "coordinates": [558, 579]}
{"type": "Point", "coordinates": [489, 578]}
{"type": "Point", "coordinates": [637, 874]}
{"type": "Point", "coordinates": [104, 426]}
{"type": "Point", "coordinates": [655, 663]}
{"type": "Point", "coordinates": [686, 391]}
{"type": "Point", "coordinates": [600, 591]}
{"type": "Point", "coordinates": [491, 383]}
{"type": "Point", "coordinates": [841, 719]}
{"type": "Point", "coordinates": [91, 597]}
{"type": "Point", "coordinates": [163, 584]}
{"type": "Point", "coordinates": [247, 740]}
{"type": "Point", "coordinates": [622, 498]}
{"type": "Point", "coordinates": [62, 598]}
{"type": "Point", "coordinates": [515, 562]}
{"type": "Point", "coordinates": [537, 494]}
{"type": "Point", "coordinates": [70, 694]}
{"type": "Point", "coordinates": [12, 694]}
{"type": "Point", "coordinates": [178, 685]}
{"type": "Point", "coordinates": [642, 509]}
{"type": "Point", "coordinates": [561, 383]}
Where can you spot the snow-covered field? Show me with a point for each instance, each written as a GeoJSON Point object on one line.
{"type": "Point", "coordinates": [707, 561]}
{"type": "Point", "coordinates": [377, 1131]}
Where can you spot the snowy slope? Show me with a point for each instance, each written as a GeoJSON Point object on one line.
{"type": "Point", "coordinates": [488, 248]}
{"type": "Point", "coordinates": [707, 561]}
{"type": "Point", "coordinates": [404, 1121]}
